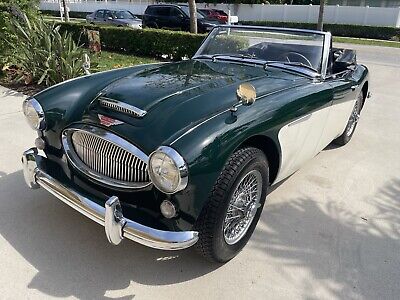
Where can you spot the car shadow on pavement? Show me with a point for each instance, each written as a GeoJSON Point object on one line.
{"type": "Point", "coordinates": [353, 255]}
{"type": "Point", "coordinates": [71, 253]}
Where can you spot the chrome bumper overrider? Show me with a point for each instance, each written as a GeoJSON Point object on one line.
{"type": "Point", "coordinates": [116, 226]}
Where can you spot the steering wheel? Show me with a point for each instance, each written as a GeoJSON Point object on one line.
{"type": "Point", "coordinates": [300, 58]}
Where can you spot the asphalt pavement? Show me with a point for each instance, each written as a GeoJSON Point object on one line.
{"type": "Point", "coordinates": [330, 231]}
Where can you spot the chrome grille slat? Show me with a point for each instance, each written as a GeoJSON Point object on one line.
{"type": "Point", "coordinates": [105, 160]}
{"type": "Point", "coordinates": [121, 107]}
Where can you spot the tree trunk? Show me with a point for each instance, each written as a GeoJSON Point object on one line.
{"type": "Point", "coordinates": [66, 13]}
{"type": "Point", "coordinates": [193, 16]}
{"type": "Point", "coordinates": [320, 25]}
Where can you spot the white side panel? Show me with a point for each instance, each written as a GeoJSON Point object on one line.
{"type": "Point", "coordinates": [306, 137]}
{"type": "Point", "coordinates": [299, 141]}
{"type": "Point", "coordinates": [337, 121]}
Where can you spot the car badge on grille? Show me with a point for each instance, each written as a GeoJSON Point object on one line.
{"type": "Point", "coordinates": [107, 121]}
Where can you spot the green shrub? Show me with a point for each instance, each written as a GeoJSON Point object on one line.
{"type": "Point", "coordinates": [13, 9]}
{"type": "Point", "coordinates": [146, 42]}
{"type": "Point", "coordinates": [42, 54]}
{"type": "Point", "coordinates": [346, 30]}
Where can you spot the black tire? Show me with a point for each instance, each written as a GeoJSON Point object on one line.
{"type": "Point", "coordinates": [154, 25]}
{"type": "Point", "coordinates": [351, 123]}
{"type": "Point", "coordinates": [210, 224]}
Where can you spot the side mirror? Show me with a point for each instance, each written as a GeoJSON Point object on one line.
{"type": "Point", "coordinates": [246, 94]}
{"type": "Point", "coordinates": [109, 18]}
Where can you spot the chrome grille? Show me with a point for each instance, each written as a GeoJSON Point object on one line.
{"type": "Point", "coordinates": [121, 107]}
{"type": "Point", "coordinates": [106, 157]}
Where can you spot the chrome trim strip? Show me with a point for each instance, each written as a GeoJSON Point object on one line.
{"type": "Point", "coordinates": [116, 225]}
{"type": "Point", "coordinates": [302, 119]}
{"type": "Point", "coordinates": [74, 159]}
{"type": "Point", "coordinates": [325, 53]}
{"type": "Point", "coordinates": [121, 107]}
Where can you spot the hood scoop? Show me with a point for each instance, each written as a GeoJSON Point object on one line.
{"type": "Point", "coordinates": [121, 107]}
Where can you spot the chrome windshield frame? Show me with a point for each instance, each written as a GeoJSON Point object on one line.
{"type": "Point", "coordinates": [327, 38]}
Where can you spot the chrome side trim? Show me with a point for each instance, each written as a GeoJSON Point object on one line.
{"type": "Point", "coordinates": [117, 227]}
{"type": "Point", "coordinates": [74, 159]}
{"type": "Point", "coordinates": [302, 119]}
{"type": "Point", "coordinates": [121, 107]}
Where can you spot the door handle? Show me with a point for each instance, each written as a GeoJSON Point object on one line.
{"type": "Point", "coordinates": [353, 87]}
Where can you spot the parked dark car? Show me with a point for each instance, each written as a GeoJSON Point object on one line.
{"type": "Point", "coordinates": [175, 17]}
{"type": "Point", "coordinates": [120, 18]}
{"type": "Point", "coordinates": [215, 14]}
{"type": "Point", "coordinates": [177, 154]}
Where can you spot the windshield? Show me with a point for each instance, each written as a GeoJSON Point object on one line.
{"type": "Point", "coordinates": [123, 15]}
{"type": "Point", "coordinates": [186, 11]}
{"type": "Point", "coordinates": [303, 49]}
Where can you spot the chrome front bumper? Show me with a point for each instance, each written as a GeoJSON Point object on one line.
{"type": "Point", "coordinates": [116, 225]}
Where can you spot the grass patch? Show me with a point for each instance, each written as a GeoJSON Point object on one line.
{"type": "Point", "coordinates": [105, 60]}
{"type": "Point", "coordinates": [369, 42]}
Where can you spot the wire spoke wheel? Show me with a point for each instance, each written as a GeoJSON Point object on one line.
{"type": "Point", "coordinates": [354, 117]}
{"type": "Point", "coordinates": [242, 207]}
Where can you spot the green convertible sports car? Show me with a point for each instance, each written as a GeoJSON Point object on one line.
{"type": "Point", "coordinates": [177, 154]}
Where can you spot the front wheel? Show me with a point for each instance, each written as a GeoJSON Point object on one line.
{"type": "Point", "coordinates": [352, 122]}
{"type": "Point", "coordinates": [228, 219]}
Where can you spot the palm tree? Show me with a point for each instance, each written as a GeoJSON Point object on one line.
{"type": "Point", "coordinates": [193, 16]}
{"type": "Point", "coordinates": [66, 13]}
{"type": "Point", "coordinates": [321, 15]}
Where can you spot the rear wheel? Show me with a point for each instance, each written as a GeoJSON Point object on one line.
{"type": "Point", "coordinates": [153, 25]}
{"type": "Point", "coordinates": [352, 122]}
{"type": "Point", "coordinates": [229, 217]}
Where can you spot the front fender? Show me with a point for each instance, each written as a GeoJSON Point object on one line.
{"type": "Point", "coordinates": [206, 149]}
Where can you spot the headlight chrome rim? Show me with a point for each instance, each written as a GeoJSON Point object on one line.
{"type": "Point", "coordinates": [180, 165]}
{"type": "Point", "coordinates": [41, 123]}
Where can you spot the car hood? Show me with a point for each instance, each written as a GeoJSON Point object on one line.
{"type": "Point", "coordinates": [177, 96]}
{"type": "Point", "coordinates": [208, 20]}
{"type": "Point", "coordinates": [127, 21]}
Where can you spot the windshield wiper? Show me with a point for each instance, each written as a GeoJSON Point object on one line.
{"type": "Point", "coordinates": [234, 57]}
{"type": "Point", "coordinates": [297, 64]}
{"type": "Point", "coordinates": [240, 55]}
{"type": "Point", "coordinates": [216, 56]}
{"type": "Point", "coordinates": [206, 56]}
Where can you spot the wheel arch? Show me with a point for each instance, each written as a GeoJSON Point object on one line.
{"type": "Point", "coordinates": [269, 148]}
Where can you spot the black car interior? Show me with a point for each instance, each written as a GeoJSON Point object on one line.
{"type": "Point", "coordinates": [341, 60]}
{"type": "Point", "coordinates": [305, 54]}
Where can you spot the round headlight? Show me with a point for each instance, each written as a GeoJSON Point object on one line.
{"type": "Point", "coordinates": [168, 170]}
{"type": "Point", "coordinates": [34, 113]}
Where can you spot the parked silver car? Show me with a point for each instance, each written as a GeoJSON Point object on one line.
{"type": "Point", "coordinates": [118, 18]}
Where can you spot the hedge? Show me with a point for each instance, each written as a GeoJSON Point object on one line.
{"type": "Point", "coordinates": [146, 42]}
{"type": "Point", "coordinates": [346, 30]}
{"type": "Point", "coordinates": [177, 44]}
{"type": "Point", "coordinates": [72, 14]}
